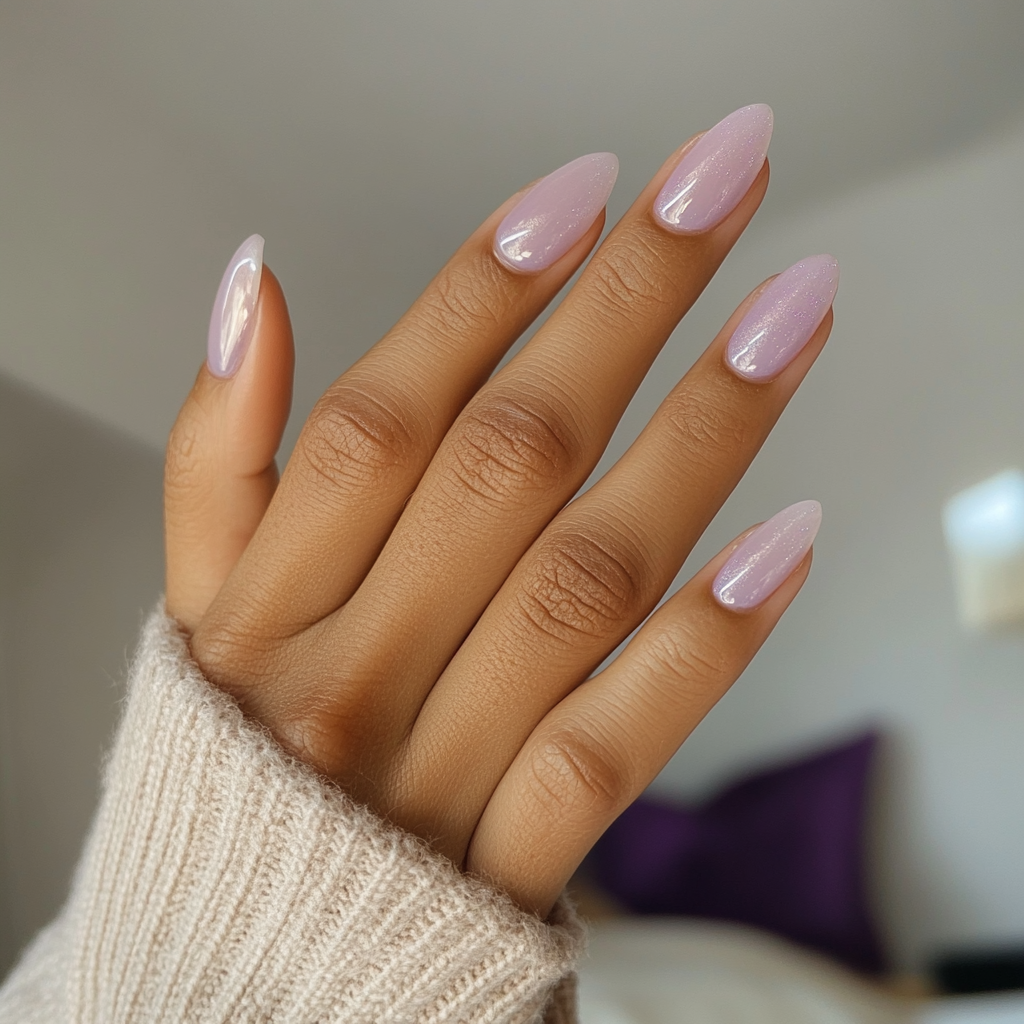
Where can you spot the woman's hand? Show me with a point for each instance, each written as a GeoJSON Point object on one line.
{"type": "Point", "coordinates": [416, 610]}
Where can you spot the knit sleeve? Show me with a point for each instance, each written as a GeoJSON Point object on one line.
{"type": "Point", "coordinates": [224, 882]}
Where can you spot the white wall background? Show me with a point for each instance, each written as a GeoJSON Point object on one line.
{"type": "Point", "coordinates": [142, 142]}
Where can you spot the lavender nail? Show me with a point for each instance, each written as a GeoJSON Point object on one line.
{"type": "Point", "coordinates": [556, 213]}
{"type": "Point", "coordinates": [764, 560]}
{"type": "Point", "coordinates": [783, 319]}
{"type": "Point", "coordinates": [716, 172]}
{"type": "Point", "coordinates": [234, 308]}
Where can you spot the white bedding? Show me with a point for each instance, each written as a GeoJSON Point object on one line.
{"type": "Point", "coordinates": [672, 971]}
{"type": "Point", "coordinates": [993, 1009]}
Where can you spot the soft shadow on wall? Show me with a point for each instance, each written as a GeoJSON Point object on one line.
{"type": "Point", "coordinates": [80, 563]}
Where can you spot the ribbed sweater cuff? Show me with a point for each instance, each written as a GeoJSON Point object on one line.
{"type": "Point", "coordinates": [223, 881]}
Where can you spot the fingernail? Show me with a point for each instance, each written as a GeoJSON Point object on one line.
{"type": "Point", "coordinates": [764, 560]}
{"type": "Point", "coordinates": [234, 308]}
{"type": "Point", "coordinates": [716, 172]}
{"type": "Point", "coordinates": [783, 319]}
{"type": "Point", "coordinates": [556, 213]}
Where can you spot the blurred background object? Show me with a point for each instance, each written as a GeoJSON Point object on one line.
{"type": "Point", "coordinates": [984, 527]}
{"type": "Point", "coordinates": [688, 972]}
{"type": "Point", "coordinates": [782, 850]}
{"type": "Point", "coordinates": [981, 970]}
{"type": "Point", "coordinates": [142, 142]}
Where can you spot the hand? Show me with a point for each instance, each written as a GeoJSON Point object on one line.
{"type": "Point", "coordinates": [417, 608]}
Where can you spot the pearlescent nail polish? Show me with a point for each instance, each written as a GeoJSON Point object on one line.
{"type": "Point", "coordinates": [716, 172]}
{"type": "Point", "coordinates": [783, 319]}
{"type": "Point", "coordinates": [234, 309]}
{"type": "Point", "coordinates": [556, 213]}
{"type": "Point", "coordinates": [765, 559]}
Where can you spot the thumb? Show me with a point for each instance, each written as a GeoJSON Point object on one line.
{"type": "Point", "coordinates": [220, 472]}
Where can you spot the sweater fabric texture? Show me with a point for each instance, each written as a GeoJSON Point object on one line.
{"type": "Point", "coordinates": [223, 881]}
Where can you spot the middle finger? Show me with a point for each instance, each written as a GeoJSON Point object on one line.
{"type": "Point", "coordinates": [530, 438]}
{"type": "Point", "coordinates": [607, 558]}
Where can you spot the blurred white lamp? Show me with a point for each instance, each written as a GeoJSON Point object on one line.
{"type": "Point", "coordinates": [984, 528]}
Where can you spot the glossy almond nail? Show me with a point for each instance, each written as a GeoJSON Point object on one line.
{"type": "Point", "coordinates": [783, 319]}
{"type": "Point", "coordinates": [716, 172]}
{"type": "Point", "coordinates": [765, 559]}
{"type": "Point", "coordinates": [234, 309]}
{"type": "Point", "coordinates": [556, 213]}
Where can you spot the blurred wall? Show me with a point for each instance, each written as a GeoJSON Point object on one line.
{"type": "Point", "coordinates": [80, 564]}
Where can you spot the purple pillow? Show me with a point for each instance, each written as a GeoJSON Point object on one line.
{"type": "Point", "coordinates": [782, 850]}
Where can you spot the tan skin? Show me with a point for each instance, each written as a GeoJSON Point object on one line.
{"type": "Point", "coordinates": [417, 608]}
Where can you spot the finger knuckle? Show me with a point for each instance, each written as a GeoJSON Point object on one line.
{"type": "Point", "coordinates": [324, 723]}
{"type": "Point", "coordinates": [308, 737]}
{"type": "Point", "coordinates": [231, 654]}
{"type": "Point", "coordinates": [331, 734]}
{"type": "Point", "coordinates": [507, 447]}
{"type": "Point", "coordinates": [464, 300]}
{"type": "Point", "coordinates": [627, 277]}
{"type": "Point", "coordinates": [574, 774]}
{"type": "Point", "coordinates": [355, 436]}
{"type": "Point", "coordinates": [186, 459]}
{"type": "Point", "coordinates": [706, 431]}
{"type": "Point", "coordinates": [582, 587]}
{"type": "Point", "coordinates": [687, 660]}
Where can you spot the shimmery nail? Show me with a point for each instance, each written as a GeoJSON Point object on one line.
{"type": "Point", "coordinates": [783, 319]}
{"type": "Point", "coordinates": [716, 172]}
{"type": "Point", "coordinates": [234, 308]}
{"type": "Point", "coordinates": [765, 559]}
{"type": "Point", "coordinates": [556, 213]}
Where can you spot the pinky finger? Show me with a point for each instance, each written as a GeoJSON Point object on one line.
{"type": "Point", "coordinates": [597, 750]}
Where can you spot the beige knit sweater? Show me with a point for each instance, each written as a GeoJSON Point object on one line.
{"type": "Point", "coordinates": [223, 882]}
